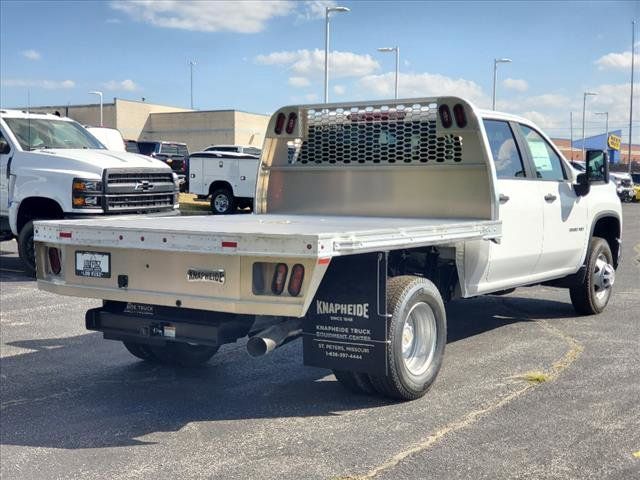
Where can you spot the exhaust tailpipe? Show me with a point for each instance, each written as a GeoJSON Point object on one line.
{"type": "Point", "coordinates": [273, 337]}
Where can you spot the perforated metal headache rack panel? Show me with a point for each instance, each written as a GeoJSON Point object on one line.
{"type": "Point", "coordinates": [376, 134]}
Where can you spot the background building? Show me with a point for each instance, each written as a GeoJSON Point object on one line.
{"type": "Point", "coordinates": [138, 120]}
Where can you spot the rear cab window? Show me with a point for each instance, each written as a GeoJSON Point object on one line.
{"type": "Point", "coordinates": [504, 148]}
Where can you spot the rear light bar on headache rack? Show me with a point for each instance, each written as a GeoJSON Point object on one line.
{"type": "Point", "coordinates": [459, 115]}
{"type": "Point", "coordinates": [280, 119]}
{"type": "Point", "coordinates": [445, 115]}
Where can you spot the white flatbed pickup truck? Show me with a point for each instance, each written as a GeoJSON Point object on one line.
{"type": "Point", "coordinates": [368, 218]}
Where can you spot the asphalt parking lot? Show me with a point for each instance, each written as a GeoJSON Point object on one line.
{"type": "Point", "coordinates": [528, 390]}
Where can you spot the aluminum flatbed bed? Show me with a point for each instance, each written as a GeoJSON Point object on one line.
{"type": "Point", "coordinates": [267, 235]}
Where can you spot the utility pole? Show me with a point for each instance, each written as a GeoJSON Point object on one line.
{"type": "Point", "coordinates": [584, 109]}
{"type": "Point", "coordinates": [327, 13]}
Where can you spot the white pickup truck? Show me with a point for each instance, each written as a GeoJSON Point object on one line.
{"type": "Point", "coordinates": [53, 168]}
{"type": "Point", "coordinates": [368, 218]}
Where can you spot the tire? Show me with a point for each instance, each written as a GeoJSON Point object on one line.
{"type": "Point", "coordinates": [183, 354]}
{"type": "Point", "coordinates": [222, 202]}
{"type": "Point", "coordinates": [140, 350]}
{"type": "Point", "coordinates": [417, 334]}
{"type": "Point", "coordinates": [592, 295]}
{"type": "Point", "coordinates": [355, 382]}
{"type": "Point", "coordinates": [26, 249]}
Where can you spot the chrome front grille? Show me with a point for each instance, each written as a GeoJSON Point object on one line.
{"type": "Point", "coordinates": [149, 189]}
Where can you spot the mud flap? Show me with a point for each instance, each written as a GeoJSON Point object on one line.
{"type": "Point", "coordinates": [346, 325]}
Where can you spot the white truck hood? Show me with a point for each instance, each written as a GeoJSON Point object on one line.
{"type": "Point", "coordinates": [99, 159]}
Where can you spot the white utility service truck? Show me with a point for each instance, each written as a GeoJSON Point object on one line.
{"type": "Point", "coordinates": [228, 177]}
{"type": "Point", "coordinates": [368, 218]}
{"type": "Point", "coordinates": [53, 168]}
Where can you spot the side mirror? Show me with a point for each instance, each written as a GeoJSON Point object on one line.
{"type": "Point", "coordinates": [597, 164]}
{"type": "Point", "coordinates": [4, 147]}
{"type": "Point", "coordinates": [583, 187]}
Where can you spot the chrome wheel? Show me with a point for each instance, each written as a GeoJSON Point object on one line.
{"type": "Point", "coordinates": [419, 338]}
{"type": "Point", "coordinates": [221, 202]}
{"type": "Point", "coordinates": [604, 276]}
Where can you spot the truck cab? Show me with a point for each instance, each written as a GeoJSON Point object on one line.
{"type": "Point", "coordinates": [53, 168]}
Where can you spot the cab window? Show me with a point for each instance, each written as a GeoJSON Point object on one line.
{"type": "Point", "coordinates": [506, 155]}
{"type": "Point", "coordinates": [546, 161]}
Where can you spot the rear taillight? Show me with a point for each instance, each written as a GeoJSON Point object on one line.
{"type": "Point", "coordinates": [445, 116]}
{"type": "Point", "coordinates": [291, 122]}
{"type": "Point", "coordinates": [54, 260]}
{"type": "Point", "coordinates": [459, 115]}
{"type": "Point", "coordinates": [280, 119]}
{"type": "Point", "coordinates": [295, 282]}
{"type": "Point", "coordinates": [184, 165]}
{"type": "Point", "coordinates": [279, 278]}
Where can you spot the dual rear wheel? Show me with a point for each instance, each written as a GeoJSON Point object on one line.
{"type": "Point", "coordinates": [417, 334]}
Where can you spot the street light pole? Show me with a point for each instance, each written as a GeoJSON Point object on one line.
{"type": "Point", "coordinates": [327, 12]}
{"type": "Point", "coordinates": [584, 106]}
{"type": "Point", "coordinates": [606, 127]}
{"type": "Point", "coordinates": [96, 92]}
{"type": "Point", "coordinates": [395, 49]}
{"type": "Point", "coordinates": [191, 64]}
{"type": "Point", "coordinates": [496, 61]}
{"type": "Point", "coordinates": [571, 129]}
{"type": "Point", "coordinates": [633, 52]}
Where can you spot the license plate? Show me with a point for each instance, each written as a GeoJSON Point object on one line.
{"type": "Point", "coordinates": [93, 264]}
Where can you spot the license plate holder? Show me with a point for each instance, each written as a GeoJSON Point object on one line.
{"type": "Point", "coordinates": [93, 264]}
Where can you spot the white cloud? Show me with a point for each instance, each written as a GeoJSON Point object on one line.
{"type": "Point", "coordinates": [339, 89]}
{"type": "Point", "coordinates": [314, 9]}
{"type": "Point", "coordinates": [310, 63]}
{"type": "Point", "coordinates": [312, 97]}
{"type": "Point", "coordinates": [421, 85]}
{"type": "Point", "coordinates": [515, 84]}
{"type": "Point", "coordinates": [299, 82]}
{"type": "Point", "coordinates": [220, 16]}
{"type": "Point", "coordinates": [616, 61]}
{"type": "Point", "coordinates": [46, 84]}
{"type": "Point", "coordinates": [113, 20]}
{"type": "Point", "coordinates": [125, 85]}
{"type": "Point", "coordinates": [31, 54]}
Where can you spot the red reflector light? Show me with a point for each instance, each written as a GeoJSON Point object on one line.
{"type": "Point", "coordinates": [291, 122]}
{"type": "Point", "coordinates": [295, 282]}
{"type": "Point", "coordinates": [229, 244]}
{"type": "Point", "coordinates": [445, 116]}
{"type": "Point", "coordinates": [459, 115]}
{"type": "Point", "coordinates": [54, 260]}
{"type": "Point", "coordinates": [280, 119]}
{"type": "Point", "coordinates": [65, 234]}
{"type": "Point", "coordinates": [323, 261]}
{"type": "Point", "coordinates": [279, 278]}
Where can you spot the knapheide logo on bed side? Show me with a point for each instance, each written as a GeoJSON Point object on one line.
{"type": "Point", "coordinates": [355, 309]}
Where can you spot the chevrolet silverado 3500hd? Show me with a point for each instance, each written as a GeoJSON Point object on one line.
{"type": "Point", "coordinates": [368, 218]}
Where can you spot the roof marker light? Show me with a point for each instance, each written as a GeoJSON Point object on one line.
{"type": "Point", "coordinates": [445, 115]}
{"type": "Point", "coordinates": [280, 119]}
{"type": "Point", "coordinates": [459, 115]}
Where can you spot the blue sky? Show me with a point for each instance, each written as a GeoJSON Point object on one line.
{"type": "Point", "coordinates": [257, 56]}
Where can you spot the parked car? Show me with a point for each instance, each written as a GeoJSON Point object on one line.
{"type": "Point", "coordinates": [53, 168]}
{"type": "Point", "coordinates": [228, 177]}
{"type": "Point", "coordinates": [131, 146]}
{"type": "Point", "coordinates": [636, 185]}
{"type": "Point", "coordinates": [356, 244]}
{"type": "Point", "coordinates": [109, 137]}
{"type": "Point", "coordinates": [235, 148]}
{"type": "Point", "coordinates": [624, 186]}
{"type": "Point", "coordinates": [174, 154]}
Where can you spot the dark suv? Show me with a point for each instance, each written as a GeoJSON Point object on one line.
{"type": "Point", "coordinates": [174, 154]}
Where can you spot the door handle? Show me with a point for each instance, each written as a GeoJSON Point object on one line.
{"type": "Point", "coordinates": [503, 198]}
{"type": "Point", "coordinates": [550, 197]}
